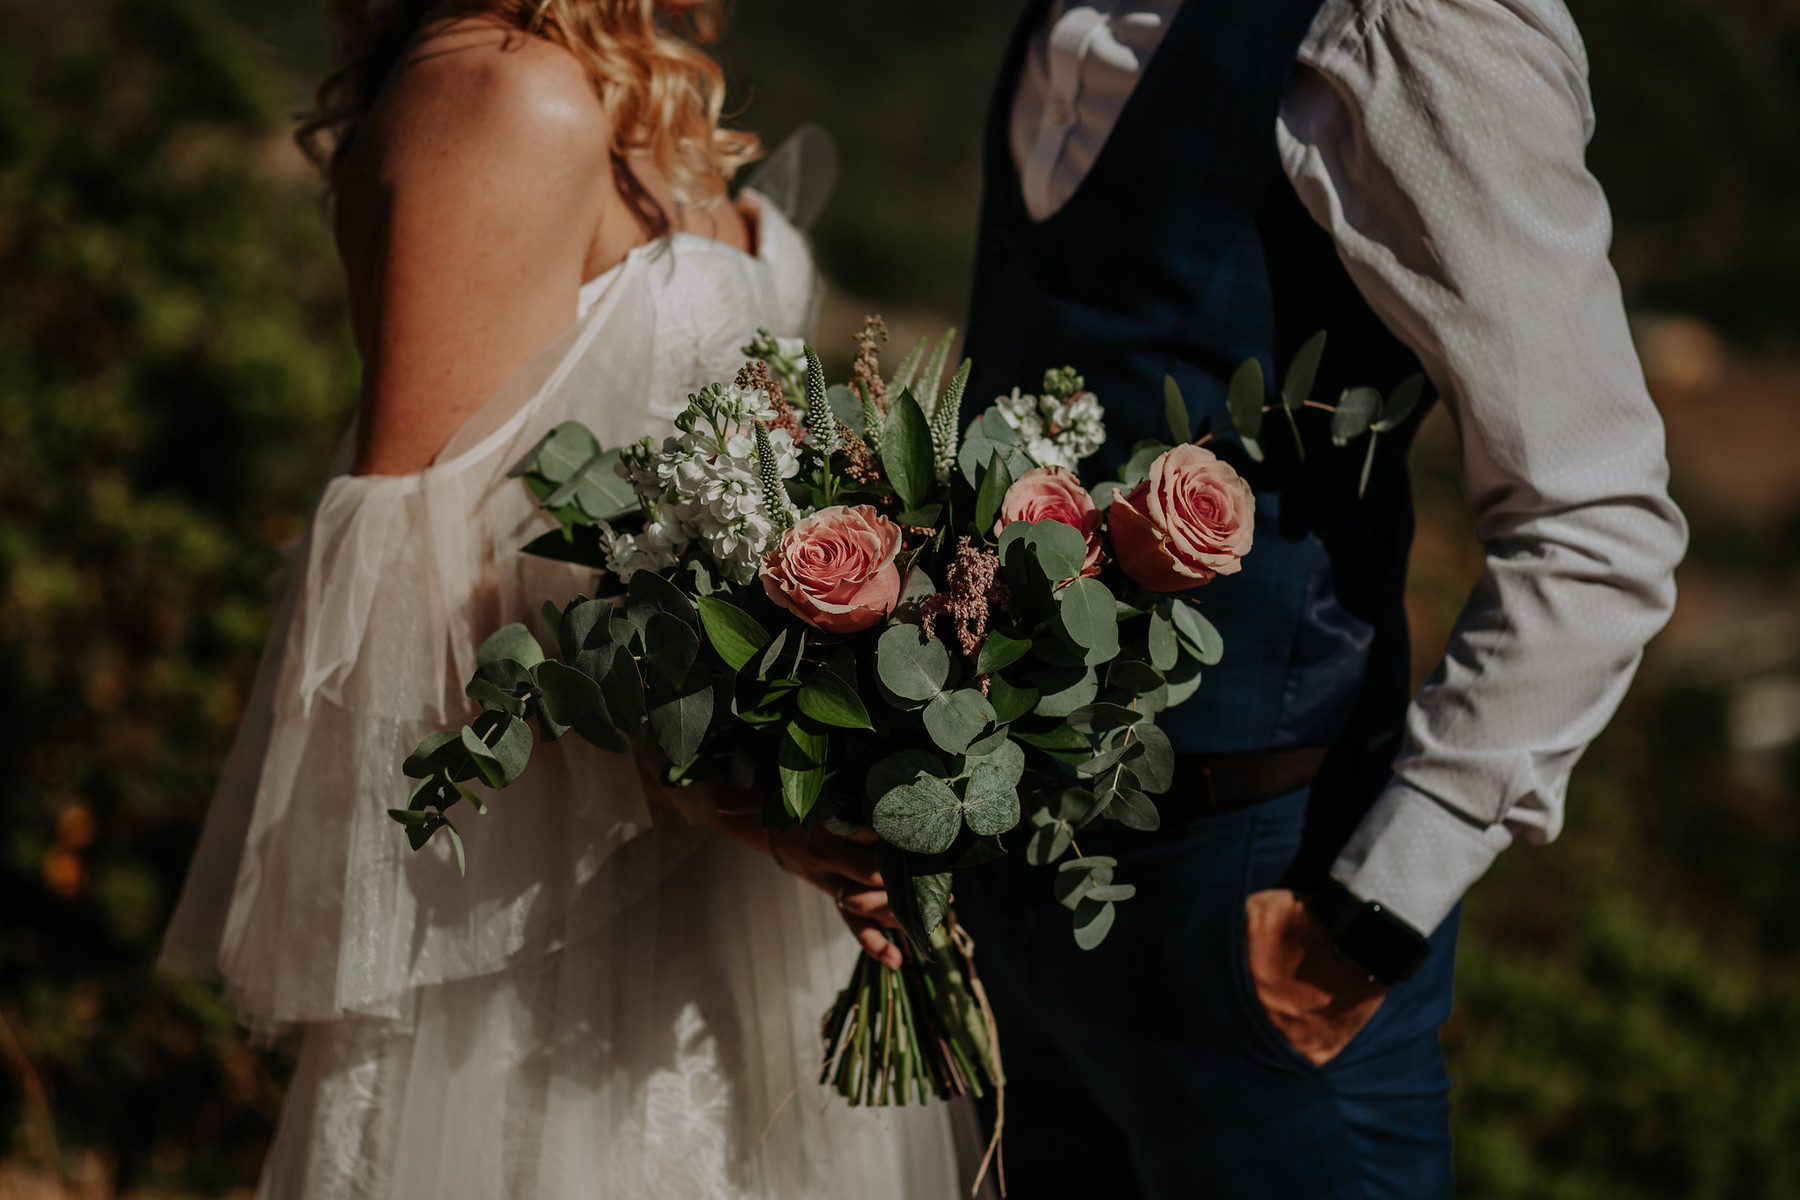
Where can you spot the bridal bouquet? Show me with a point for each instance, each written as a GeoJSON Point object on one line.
{"type": "Point", "coordinates": [876, 619]}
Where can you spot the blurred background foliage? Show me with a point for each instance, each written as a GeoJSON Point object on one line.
{"type": "Point", "coordinates": [175, 372]}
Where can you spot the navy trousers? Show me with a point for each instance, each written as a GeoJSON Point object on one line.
{"type": "Point", "coordinates": [1146, 1069]}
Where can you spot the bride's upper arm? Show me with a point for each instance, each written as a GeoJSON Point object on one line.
{"type": "Point", "coordinates": [466, 209]}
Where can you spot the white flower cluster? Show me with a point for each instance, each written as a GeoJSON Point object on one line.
{"type": "Point", "coordinates": [785, 356]}
{"type": "Point", "coordinates": [703, 486]}
{"type": "Point", "coordinates": [1056, 432]}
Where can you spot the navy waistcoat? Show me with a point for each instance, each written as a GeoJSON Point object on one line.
{"type": "Point", "coordinates": [1184, 252]}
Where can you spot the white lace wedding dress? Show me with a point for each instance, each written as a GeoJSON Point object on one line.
{"type": "Point", "coordinates": [612, 1003]}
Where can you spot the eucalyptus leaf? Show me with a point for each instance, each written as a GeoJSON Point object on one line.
{"type": "Point", "coordinates": [1199, 633]}
{"type": "Point", "coordinates": [1155, 767]}
{"type": "Point", "coordinates": [901, 767]}
{"type": "Point", "coordinates": [734, 634]}
{"type": "Point", "coordinates": [1000, 650]}
{"type": "Point", "coordinates": [933, 895]}
{"type": "Point", "coordinates": [1245, 398]}
{"type": "Point", "coordinates": [912, 664]}
{"type": "Point", "coordinates": [990, 800]}
{"type": "Point", "coordinates": [1129, 675]}
{"type": "Point", "coordinates": [513, 642]}
{"type": "Point", "coordinates": [1008, 757]}
{"type": "Point", "coordinates": [846, 407]}
{"type": "Point", "coordinates": [1134, 810]}
{"type": "Point", "coordinates": [1297, 384]}
{"type": "Point", "coordinates": [558, 453]}
{"type": "Point", "coordinates": [1137, 467]}
{"type": "Point", "coordinates": [570, 697]}
{"type": "Point", "coordinates": [1175, 412]}
{"type": "Point", "coordinates": [680, 723]}
{"type": "Point", "coordinates": [427, 757]}
{"type": "Point", "coordinates": [1163, 648]}
{"type": "Point", "coordinates": [649, 593]}
{"type": "Point", "coordinates": [1183, 680]}
{"type": "Point", "coordinates": [1400, 403]}
{"type": "Point", "coordinates": [923, 816]}
{"type": "Point", "coordinates": [1093, 921]}
{"type": "Point", "coordinates": [1010, 703]}
{"type": "Point", "coordinates": [1065, 691]}
{"type": "Point", "coordinates": [954, 719]}
{"type": "Point", "coordinates": [1060, 550]}
{"type": "Point", "coordinates": [1086, 609]}
{"type": "Point", "coordinates": [1356, 409]}
{"type": "Point", "coordinates": [670, 647]}
{"type": "Point", "coordinates": [584, 625]}
{"type": "Point", "coordinates": [1070, 887]}
{"type": "Point", "coordinates": [623, 689]}
{"type": "Point", "coordinates": [1048, 844]}
{"type": "Point", "coordinates": [1098, 718]}
{"type": "Point", "coordinates": [1111, 893]}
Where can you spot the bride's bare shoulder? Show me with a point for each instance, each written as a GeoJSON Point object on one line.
{"type": "Point", "coordinates": [473, 89]}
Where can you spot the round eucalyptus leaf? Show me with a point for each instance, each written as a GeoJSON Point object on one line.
{"type": "Point", "coordinates": [1163, 647]}
{"type": "Point", "coordinates": [923, 816]}
{"type": "Point", "coordinates": [1093, 862]}
{"type": "Point", "coordinates": [1008, 756]}
{"type": "Point", "coordinates": [1093, 921]}
{"type": "Point", "coordinates": [511, 642]}
{"type": "Point", "coordinates": [1098, 718]}
{"type": "Point", "coordinates": [954, 719]}
{"type": "Point", "coordinates": [912, 665]}
{"type": "Point", "coordinates": [1111, 893]}
{"type": "Point", "coordinates": [1066, 690]}
{"type": "Point", "coordinates": [1048, 843]}
{"type": "Point", "coordinates": [990, 800]}
{"type": "Point", "coordinates": [1134, 810]}
{"type": "Point", "coordinates": [1010, 703]}
{"type": "Point", "coordinates": [1086, 608]}
{"type": "Point", "coordinates": [1155, 767]}
{"type": "Point", "coordinates": [901, 768]}
{"type": "Point", "coordinates": [1071, 887]}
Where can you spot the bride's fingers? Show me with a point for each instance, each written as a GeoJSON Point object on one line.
{"type": "Point", "coordinates": [870, 905]}
{"type": "Point", "coordinates": [874, 943]}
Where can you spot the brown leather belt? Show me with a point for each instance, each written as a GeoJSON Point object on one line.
{"type": "Point", "coordinates": [1214, 783]}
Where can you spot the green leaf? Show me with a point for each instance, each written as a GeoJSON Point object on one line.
{"type": "Point", "coordinates": [954, 719]}
{"type": "Point", "coordinates": [1000, 650]}
{"type": "Point", "coordinates": [513, 642]}
{"type": "Point", "coordinates": [1400, 403]}
{"type": "Point", "coordinates": [1253, 448]}
{"type": "Point", "coordinates": [1202, 637]}
{"type": "Point", "coordinates": [1093, 921]}
{"type": "Point", "coordinates": [670, 648]}
{"type": "Point", "coordinates": [921, 518]}
{"type": "Point", "coordinates": [500, 684]}
{"type": "Point", "coordinates": [623, 689]}
{"type": "Point", "coordinates": [1163, 647]}
{"type": "Point", "coordinates": [933, 893]}
{"type": "Point", "coordinates": [680, 723]}
{"type": "Point", "coordinates": [826, 698]}
{"type": "Point", "coordinates": [500, 744]}
{"type": "Point", "coordinates": [800, 762]}
{"type": "Point", "coordinates": [1105, 759]}
{"type": "Point", "coordinates": [584, 626]}
{"type": "Point", "coordinates": [597, 489]}
{"type": "Point", "coordinates": [845, 407]}
{"type": "Point", "coordinates": [425, 759]}
{"type": "Point", "coordinates": [558, 453]}
{"type": "Point", "coordinates": [570, 697]}
{"type": "Point", "coordinates": [906, 451]}
{"type": "Point", "coordinates": [1297, 384]}
{"type": "Point", "coordinates": [1245, 397]}
{"type": "Point", "coordinates": [1098, 718]}
{"type": "Point", "coordinates": [923, 816]}
{"type": "Point", "coordinates": [1134, 810]}
{"type": "Point", "coordinates": [991, 799]}
{"type": "Point", "coordinates": [1073, 883]}
{"type": "Point", "coordinates": [1092, 862]}
{"type": "Point", "coordinates": [1007, 755]}
{"type": "Point", "coordinates": [1065, 691]}
{"type": "Point", "coordinates": [902, 767]}
{"type": "Point", "coordinates": [649, 593]}
{"type": "Point", "coordinates": [1112, 893]}
{"type": "Point", "coordinates": [1059, 550]}
{"type": "Point", "coordinates": [1155, 767]}
{"type": "Point", "coordinates": [1086, 609]}
{"type": "Point", "coordinates": [1183, 681]}
{"type": "Point", "coordinates": [1175, 411]}
{"type": "Point", "coordinates": [911, 664]}
{"type": "Point", "coordinates": [994, 486]}
{"type": "Point", "coordinates": [771, 654]}
{"type": "Point", "coordinates": [734, 633]}
{"type": "Point", "coordinates": [1130, 675]}
{"type": "Point", "coordinates": [1048, 843]}
{"type": "Point", "coordinates": [1056, 738]}
{"type": "Point", "coordinates": [1010, 703]}
{"type": "Point", "coordinates": [1137, 467]}
{"type": "Point", "coordinates": [1356, 408]}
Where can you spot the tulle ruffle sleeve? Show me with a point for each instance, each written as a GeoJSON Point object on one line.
{"type": "Point", "coordinates": [303, 895]}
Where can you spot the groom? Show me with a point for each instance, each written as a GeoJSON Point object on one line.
{"type": "Point", "coordinates": [1173, 186]}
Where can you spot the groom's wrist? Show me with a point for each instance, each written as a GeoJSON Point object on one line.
{"type": "Point", "coordinates": [1382, 945]}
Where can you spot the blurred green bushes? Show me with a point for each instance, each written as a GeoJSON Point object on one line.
{"type": "Point", "coordinates": [173, 374]}
{"type": "Point", "coordinates": [174, 371]}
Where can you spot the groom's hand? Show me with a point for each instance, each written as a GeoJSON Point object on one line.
{"type": "Point", "coordinates": [1314, 996]}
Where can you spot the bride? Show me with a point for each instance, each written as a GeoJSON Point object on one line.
{"type": "Point", "coordinates": [530, 202]}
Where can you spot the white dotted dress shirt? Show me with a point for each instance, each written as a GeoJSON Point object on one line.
{"type": "Point", "coordinates": [1441, 143]}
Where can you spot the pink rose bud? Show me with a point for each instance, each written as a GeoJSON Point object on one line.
{"type": "Point", "coordinates": [1054, 494]}
{"type": "Point", "coordinates": [1190, 519]}
{"type": "Point", "coordinates": [835, 569]}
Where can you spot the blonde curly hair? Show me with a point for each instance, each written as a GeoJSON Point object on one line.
{"type": "Point", "coordinates": [663, 96]}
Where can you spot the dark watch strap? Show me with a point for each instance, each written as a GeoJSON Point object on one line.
{"type": "Point", "coordinates": [1382, 945]}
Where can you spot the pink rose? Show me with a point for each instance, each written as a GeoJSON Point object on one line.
{"type": "Point", "coordinates": [835, 569]}
{"type": "Point", "coordinates": [1054, 494]}
{"type": "Point", "coordinates": [1189, 520]}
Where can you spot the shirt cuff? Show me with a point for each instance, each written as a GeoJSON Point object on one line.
{"type": "Point", "coordinates": [1416, 857]}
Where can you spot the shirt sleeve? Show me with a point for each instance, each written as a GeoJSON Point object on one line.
{"type": "Point", "coordinates": [1441, 143]}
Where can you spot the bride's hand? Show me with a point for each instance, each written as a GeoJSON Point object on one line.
{"type": "Point", "coordinates": [844, 868]}
{"type": "Point", "coordinates": [841, 867]}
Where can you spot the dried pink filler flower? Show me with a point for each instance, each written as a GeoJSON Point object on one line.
{"type": "Point", "coordinates": [865, 372]}
{"type": "Point", "coordinates": [970, 594]}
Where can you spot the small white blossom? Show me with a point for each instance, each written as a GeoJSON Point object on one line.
{"type": "Point", "coordinates": [1055, 433]}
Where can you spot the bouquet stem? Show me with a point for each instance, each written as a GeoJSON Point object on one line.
{"type": "Point", "coordinates": [926, 1029]}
